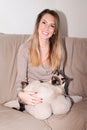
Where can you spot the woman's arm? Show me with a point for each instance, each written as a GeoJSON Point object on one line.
{"type": "Point", "coordinates": [22, 63]}
{"type": "Point", "coordinates": [22, 70]}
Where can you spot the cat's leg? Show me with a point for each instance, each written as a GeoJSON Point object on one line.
{"type": "Point", "coordinates": [15, 104]}
{"type": "Point", "coordinates": [61, 105]}
{"type": "Point", "coordinates": [40, 111]}
{"type": "Point", "coordinates": [76, 98]}
{"type": "Point", "coordinates": [12, 104]}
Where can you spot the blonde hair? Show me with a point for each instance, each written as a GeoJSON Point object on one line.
{"type": "Point", "coordinates": [56, 49]}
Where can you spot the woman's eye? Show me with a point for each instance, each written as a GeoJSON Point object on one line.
{"type": "Point", "coordinates": [44, 22]}
{"type": "Point", "coordinates": [52, 26]}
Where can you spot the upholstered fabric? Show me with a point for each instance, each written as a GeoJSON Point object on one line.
{"type": "Point", "coordinates": [9, 45]}
{"type": "Point", "coordinates": [76, 119]}
{"type": "Point", "coordinates": [76, 65]}
{"type": "Point", "coordinates": [14, 120]}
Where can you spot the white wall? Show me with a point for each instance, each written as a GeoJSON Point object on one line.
{"type": "Point", "coordinates": [75, 12]}
{"type": "Point", "coordinates": [18, 16]}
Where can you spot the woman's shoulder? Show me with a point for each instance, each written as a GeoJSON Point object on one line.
{"type": "Point", "coordinates": [25, 45]}
{"type": "Point", "coordinates": [24, 49]}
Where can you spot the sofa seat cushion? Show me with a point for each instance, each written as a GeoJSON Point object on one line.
{"type": "Point", "coordinates": [14, 120]}
{"type": "Point", "coordinates": [76, 119]}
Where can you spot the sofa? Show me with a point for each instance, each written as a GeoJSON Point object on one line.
{"type": "Point", "coordinates": [75, 67]}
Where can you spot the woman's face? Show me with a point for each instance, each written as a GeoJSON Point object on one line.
{"type": "Point", "coordinates": [46, 27]}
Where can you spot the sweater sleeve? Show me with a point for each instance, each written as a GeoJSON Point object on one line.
{"type": "Point", "coordinates": [22, 66]}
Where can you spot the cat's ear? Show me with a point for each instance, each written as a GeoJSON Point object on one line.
{"type": "Point", "coordinates": [56, 71]}
{"type": "Point", "coordinates": [24, 84]}
{"type": "Point", "coordinates": [61, 72]}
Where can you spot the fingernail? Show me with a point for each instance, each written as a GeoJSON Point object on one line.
{"type": "Point", "coordinates": [36, 92]}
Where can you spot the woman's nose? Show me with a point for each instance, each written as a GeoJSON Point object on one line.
{"type": "Point", "coordinates": [47, 27]}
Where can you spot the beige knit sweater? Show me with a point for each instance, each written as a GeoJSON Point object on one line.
{"type": "Point", "coordinates": [27, 72]}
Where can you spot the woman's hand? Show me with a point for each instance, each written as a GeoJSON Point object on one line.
{"type": "Point", "coordinates": [29, 98]}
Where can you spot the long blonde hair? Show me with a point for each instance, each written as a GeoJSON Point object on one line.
{"type": "Point", "coordinates": [55, 48]}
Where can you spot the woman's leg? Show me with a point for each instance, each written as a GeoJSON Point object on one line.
{"type": "Point", "coordinates": [40, 111]}
{"type": "Point", "coordinates": [61, 105]}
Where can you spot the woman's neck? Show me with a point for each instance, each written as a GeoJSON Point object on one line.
{"type": "Point", "coordinates": [44, 43]}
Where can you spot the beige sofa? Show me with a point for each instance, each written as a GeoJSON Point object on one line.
{"type": "Point", "coordinates": [76, 67]}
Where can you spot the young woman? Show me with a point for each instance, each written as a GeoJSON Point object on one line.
{"type": "Point", "coordinates": [40, 55]}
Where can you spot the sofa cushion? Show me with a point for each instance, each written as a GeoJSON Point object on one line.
{"type": "Point", "coordinates": [76, 65]}
{"type": "Point", "coordinates": [75, 119]}
{"type": "Point", "coordinates": [9, 44]}
{"type": "Point", "coordinates": [15, 120]}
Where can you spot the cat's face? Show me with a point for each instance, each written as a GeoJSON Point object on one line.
{"type": "Point", "coordinates": [60, 79]}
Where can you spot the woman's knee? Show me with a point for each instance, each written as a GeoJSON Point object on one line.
{"type": "Point", "coordinates": [61, 106]}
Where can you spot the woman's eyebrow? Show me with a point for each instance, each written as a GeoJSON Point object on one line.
{"type": "Point", "coordinates": [47, 21]}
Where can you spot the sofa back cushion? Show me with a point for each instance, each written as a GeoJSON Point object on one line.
{"type": "Point", "coordinates": [9, 44]}
{"type": "Point", "coordinates": [76, 65]}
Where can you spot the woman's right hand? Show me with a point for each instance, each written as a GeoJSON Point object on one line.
{"type": "Point", "coordinates": [29, 98]}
